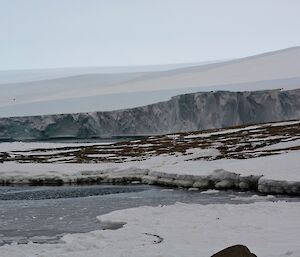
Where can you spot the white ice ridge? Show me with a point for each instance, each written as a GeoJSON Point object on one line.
{"type": "Point", "coordinates": [269, 229]}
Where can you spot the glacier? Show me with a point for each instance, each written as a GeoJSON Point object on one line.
{"type": "Point", "coordinates": [188, 112]}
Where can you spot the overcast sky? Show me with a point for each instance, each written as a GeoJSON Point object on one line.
{"type": "Point", "coordinates": [71, 33]}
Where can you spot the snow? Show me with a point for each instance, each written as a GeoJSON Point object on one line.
{"type": "Point", "coordinates": [140, 145]}
{"type": "Point", "coordinates": [184, 230]}
{"type": "Point", "coordinates": [282, 145]}
{"type": "Point", "coordinates": [174, 136]}
{"type": "Point", "coordinates": [198, 152]}
{"type": "Point", "coordinates": [181, 229]}
{"type": "Point", "coordinates": [223, 132]}
{"type": "Point", "coordinates": [279, 171]}
{"type": "Point", "coordinates": [276, 124]}
{"type": "Point", "coordinates": [257, 128]}
{"type": "Point", "coordinates": [65, 93]}
{"type": "Point", "coordinates": [26, 146]}
{"type": "Point", "coordinates": [254, 198]}
{"type": "Point", "coordinates": [186, 165]}
{"type": "Point", "coordinates": [100, 155]}
{"type": "Point", "coordinates": [210, 191]}
{"type": "Point", "coordinates": [269, 166]}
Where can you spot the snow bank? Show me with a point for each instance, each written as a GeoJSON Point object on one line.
{"type": "Point", "coordinates": [182, 230]}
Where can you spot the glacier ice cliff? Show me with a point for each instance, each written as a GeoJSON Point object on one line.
{"type": "Point", "coordinates": [189, 112]}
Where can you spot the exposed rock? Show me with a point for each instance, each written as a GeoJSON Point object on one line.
{"type": "Point", "coordinates": [189, 112]}
{"type": "Point", "coordinates": [235, 251]}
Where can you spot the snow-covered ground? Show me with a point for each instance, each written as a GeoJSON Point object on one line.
{"type": "Point", "coordinates": [277, 167]}
{"type": "Point", "coordinates": [268, 229]}
{"type": "Point", "coordinates": [262, 157]}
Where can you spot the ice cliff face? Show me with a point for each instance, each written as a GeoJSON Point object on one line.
{"type": "Point", "coordinates": [188, 112]}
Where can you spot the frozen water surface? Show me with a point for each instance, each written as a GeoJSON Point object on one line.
{"type": "Point", "coordinates": [44, 214]}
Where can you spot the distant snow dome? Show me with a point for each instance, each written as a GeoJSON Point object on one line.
{"type": "Point", "coordinates": [69, 90]}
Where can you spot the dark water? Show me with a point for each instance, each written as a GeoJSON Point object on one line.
{"type": "Point", "coordinates": [44, 214]}
{"type": "Point", "coordinates": [43, 193]}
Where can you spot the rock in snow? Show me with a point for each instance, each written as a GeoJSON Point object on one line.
{"type": "Point", "coordinates": [196, 111]}
{"type": "Point", "coordinates": [235, 251]}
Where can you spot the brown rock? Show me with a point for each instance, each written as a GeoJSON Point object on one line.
{"type": "Point", "coordinates": [235, 251]}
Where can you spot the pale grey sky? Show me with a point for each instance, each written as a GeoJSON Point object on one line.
{"type": "Point", "coordinates": [72, 33]}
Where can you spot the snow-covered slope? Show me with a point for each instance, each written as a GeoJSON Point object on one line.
{"type": "Point", "coordinates": [21, 76]}
{"type": "Point", "coordinates": [99, 91]}
{"type": "Point", "coordinates": [188, 112]}
{"type": "Point", "coordinates": [270, 66]}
